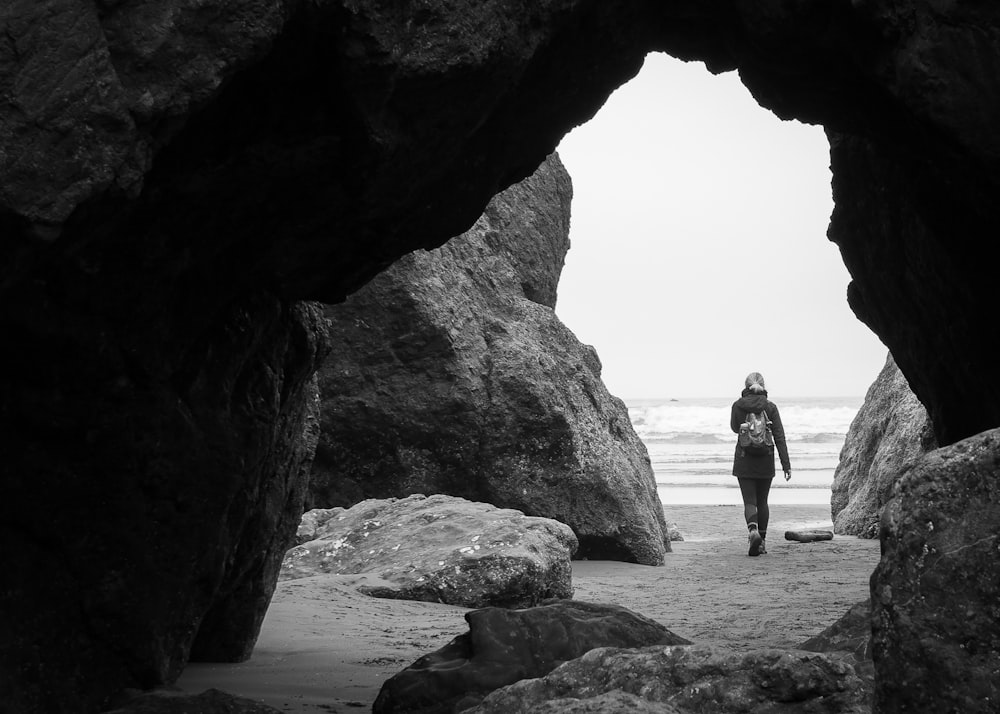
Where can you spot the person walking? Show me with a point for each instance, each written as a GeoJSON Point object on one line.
{"type": "Point", "coordinates": [753, 464]}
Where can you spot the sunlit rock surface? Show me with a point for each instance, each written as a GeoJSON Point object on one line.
{"type": "Point", "coordinates": [889, 432]}
{"type": "Point", "coordinates": [442, 549]}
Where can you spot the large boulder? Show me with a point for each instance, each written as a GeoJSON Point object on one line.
{"type": "Point", "coordinates": [936, 590]}
{"type": "Point", "coordinates": [692, 679]}
{"type": "Point", "coordinates": [505, 646]}
{"type": "Point", "coordinates": [450, 373]}
{"type": "Point", "coordinates": [889, 432]}
{"type": "Point", "coordinates": [442, 549]}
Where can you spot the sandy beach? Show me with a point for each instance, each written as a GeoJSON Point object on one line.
{"type": "Point", "coordinates": [324, 647]}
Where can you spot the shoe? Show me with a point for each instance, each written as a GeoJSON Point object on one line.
{"type": "Point", "coordinates": [756, 543]}
{"type": "Point", "coordinates": [762, 550]}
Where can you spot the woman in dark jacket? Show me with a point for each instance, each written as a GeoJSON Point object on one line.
{"type": "Point", "coordinates": [755, 471]}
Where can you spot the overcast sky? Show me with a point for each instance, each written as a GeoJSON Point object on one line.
{"type": "Point", "coordinates": [690, 202]}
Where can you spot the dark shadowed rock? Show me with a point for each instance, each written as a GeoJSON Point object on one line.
{"type": "Point", "coordinates": [851, 637]}
{"type": "Point", "coordinates": [200, 497]}
{"type": "Point", "coordinates": [695, 679]}
{"type": "Point", "coordinates": [936, 590]}
{"type": "Point", "coordinates": [505, 646]}
{"type": "Point", "coordinates": [851, 633]}
{"type": "Point", "coordinates": [442, 549]}
{"type": "Point", "coordinates": [229, 628]}
{"type": "Point", "coordinates": [889, 432]}
{"type": "Point", "coordinates": [450, 373]}
{"type": "Point", "coordinates": [211, 701]}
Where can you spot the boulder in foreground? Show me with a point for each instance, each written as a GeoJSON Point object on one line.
{"type": "Point", "coordinates": [442, 549]}
{"type": "Point", "coordinates": [692, 679]}
{"type": "Point", "coordinates": [936, 590]}
{"type": "Point", "coordinates": [505, 646]}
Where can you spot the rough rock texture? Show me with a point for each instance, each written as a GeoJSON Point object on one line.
{"type": "Point", "coordinates": [505, 646]}
{"type": "Point", "coordinates": [851, 633]}
{"type": "Point", "coordinates": [614, 702]}
{"type": "Point", "coordinates": [211, 701]}
{"type": "Point", "coordinates": [175, 173]}
{"type": "Point", "coordinates": [850, 637]}
{"type": "Point", "coordinates": [312, 523]}
{"type": "Point", "coordinates": [889, 432]}
{"type": "Point", "coordinates": [442, 549]}
{"type": "Point", "coordinates": [936, 590]}
{"type": "Point", "coordinates": [694, 679]}
{"type": "Point", "coordinates": [450, 373]}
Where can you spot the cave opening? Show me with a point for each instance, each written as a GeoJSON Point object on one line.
{"type": "Point", "coordinates": [700, 218]}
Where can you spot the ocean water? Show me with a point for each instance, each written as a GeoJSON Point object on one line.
{"type": "Point", "coordinates": [691, 447]}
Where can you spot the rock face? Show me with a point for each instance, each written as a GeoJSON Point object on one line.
{"type": "Point", "coordinates": [936, 590]}
{"type": "Point", "coordinates": [505, 646]}
{"type": "Point", "coordinates": [442, 549]}
{"type": "Point", "coordinates": [851, 633]}
{"type": "Point", "coordinates": [890, 431]}
{"type": "Point", "coordinates": [450, 373]}
{"type": "Point", "coordinates": [197, 500]}
{"type": "Point", "coordinates": [691, 679]}
{"type": "Point", "coordinates": [177, 174]}
{"type": "Point", "coordinates": [211, 701]}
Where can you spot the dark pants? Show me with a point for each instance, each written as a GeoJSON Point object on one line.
{"type": "Point", "coordinates": [755, 508]}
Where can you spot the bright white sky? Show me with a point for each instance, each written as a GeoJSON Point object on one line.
{"type": "Point", "coordinates": [691, 200]}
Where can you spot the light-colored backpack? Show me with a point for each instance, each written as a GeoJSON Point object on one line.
{"type": "Point", "coordinates": [755, 434]}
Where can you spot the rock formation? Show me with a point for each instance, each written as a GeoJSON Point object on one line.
{"type": "Point", "coordinates": [211, 701]}
{"type": "Point", "coordinates": [177, 174]}
{"type": "Point", "coordinates": [693, 678]}
{"type": "Point", "coordinates": [890, 431]}
{"type": "Point", "coordinates": [851, 633]}
{"type": "Point", "coordinates": [450, 373]}
{"type": "Point", "coordinates": [442, 549]}
{"type": "Point", "coordinates": [936, 590]}
{"type": "Point", "coordinates": [505, 646]}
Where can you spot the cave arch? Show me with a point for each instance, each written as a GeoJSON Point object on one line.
{"type": "Point", "coordinates": [174, 182]}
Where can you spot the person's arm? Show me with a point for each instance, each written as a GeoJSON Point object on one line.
{"type": "Point", "coordinates": [737, 418]}
{"type": "Point", "coordinates": [778, 432]}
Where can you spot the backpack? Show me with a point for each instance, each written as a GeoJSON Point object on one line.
{"type": "Point", "coordinates": [755, 434]}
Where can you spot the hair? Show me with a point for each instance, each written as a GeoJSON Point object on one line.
{"type": "Point", "coordinates": [755, 382]}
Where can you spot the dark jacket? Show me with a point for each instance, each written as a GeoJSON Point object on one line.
{"type": "Point", "coordinates": [758, 465]}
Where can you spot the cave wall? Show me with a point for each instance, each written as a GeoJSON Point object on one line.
{"type": "Point", "coordinates": [175, 175]}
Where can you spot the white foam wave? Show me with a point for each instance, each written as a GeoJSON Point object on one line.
{"type": "Point", "coordinates": [700, 422]}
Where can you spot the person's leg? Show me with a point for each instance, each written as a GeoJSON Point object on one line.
{"type": "Point", "coordinates": [763, 486]}
{"type": "Point", "coordinates": [763, 511]}
{"type": "Point", "coordinates": [748, 488]}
